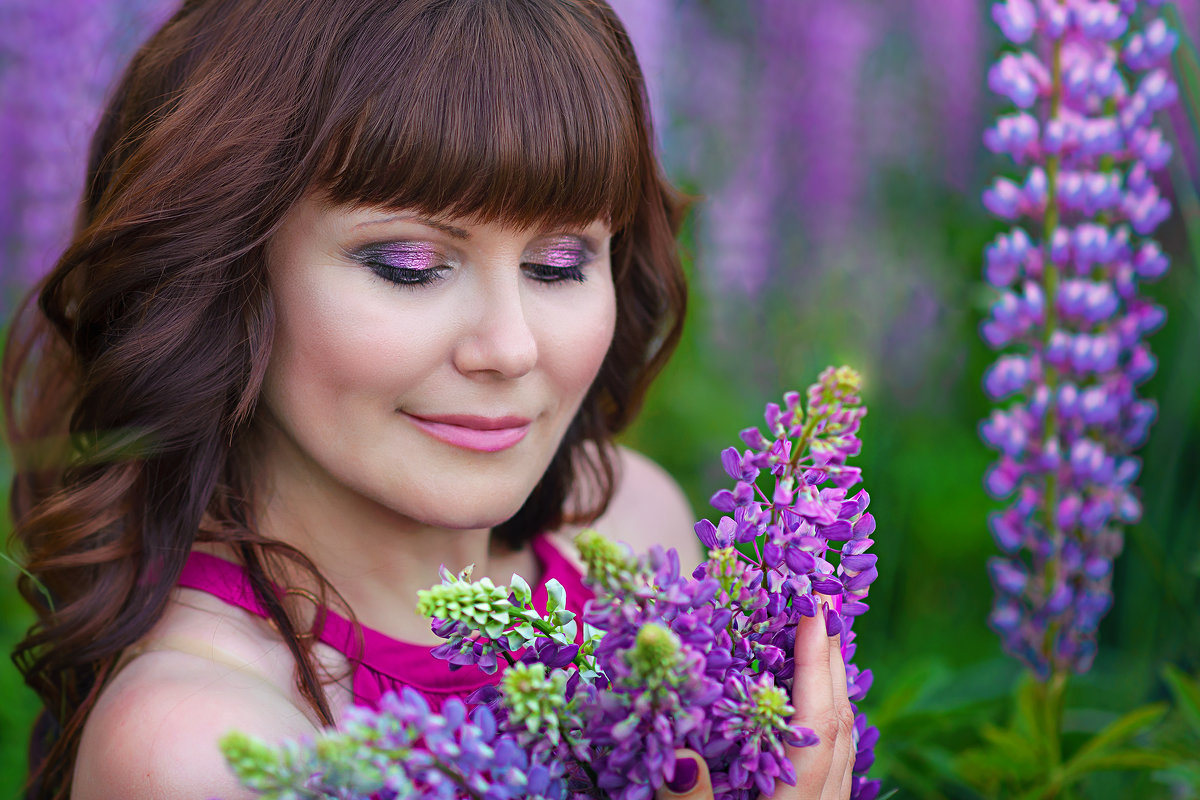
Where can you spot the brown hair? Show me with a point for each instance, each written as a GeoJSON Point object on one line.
{"type": "Point", "coordinates": [132, 369]}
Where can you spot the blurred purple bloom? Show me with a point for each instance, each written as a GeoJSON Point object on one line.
{"type": "Point", "coordinates": [61, 59]}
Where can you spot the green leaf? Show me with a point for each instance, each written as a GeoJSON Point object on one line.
{"type": "Point", "coordinates": [984, 767]}
{"type": "Point", "coordinates": [1113, 735]}
{"type": "Point", "coordinates": [1013, 746]}
{"type": "Point", "coordinates": [41, 587]}
{"type": "Point", "coordinates": [494, 629]}
{"type": "Point", "coordinates": [1133, 758]}
{"type": "Point", "coordinates": [1186, 693]}
{"type": "Point", "coordinates": [1027, 719]}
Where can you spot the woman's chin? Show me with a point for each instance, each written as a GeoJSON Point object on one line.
{"type": "Point", "coordinates": [469, 517]}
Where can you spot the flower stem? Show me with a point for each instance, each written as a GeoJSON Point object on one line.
{"type": "Point", "coordinates": [805, 434]}
{"type": "Point", "coordinates": [1050, 696]}
{"type": "Point", "coordinates": [1050, 281]}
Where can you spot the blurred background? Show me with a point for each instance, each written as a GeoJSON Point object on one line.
{"type": "Point", "coordinates": [834, 150]}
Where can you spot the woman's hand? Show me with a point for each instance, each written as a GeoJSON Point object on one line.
{"type": "Point", "coordinates": [823, 771]}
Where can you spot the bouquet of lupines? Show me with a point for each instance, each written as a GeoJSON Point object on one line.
{"type": "Point", "coordinates": [668, 660]}
{"type": "Point", "coordinates": [1068, 309]}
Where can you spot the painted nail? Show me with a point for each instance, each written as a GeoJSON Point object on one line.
{"type": "Point", "coordinates": [833, 622]}
{"type": "Point", "coordinates": [687, 772]}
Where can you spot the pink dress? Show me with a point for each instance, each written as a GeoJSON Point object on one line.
{"type": "Point", "coordinates": [386, 664]}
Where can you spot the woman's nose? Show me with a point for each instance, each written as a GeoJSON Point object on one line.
{"type": "Point", "coordinates": [498, 338]}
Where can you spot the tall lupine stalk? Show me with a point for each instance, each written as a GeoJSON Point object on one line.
{"type": "Point", "coordinates": [1087, 79]}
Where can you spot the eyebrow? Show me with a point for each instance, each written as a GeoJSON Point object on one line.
{"type": "Point", "coordinates": [450, 230]}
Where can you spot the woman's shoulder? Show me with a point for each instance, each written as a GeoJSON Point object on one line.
{"type": "Point", "coordinates": [648, 508]}
{"type": "Point", "coordinates": [201, 672]}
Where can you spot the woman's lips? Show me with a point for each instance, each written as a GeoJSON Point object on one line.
{"type": "Point", "coordinates": [484, 434]}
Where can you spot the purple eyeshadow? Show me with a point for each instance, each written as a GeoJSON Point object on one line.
{"type": "Point", "coordinates": [407, 255]}
{"type": "Point", "coordinates": [561, 254]}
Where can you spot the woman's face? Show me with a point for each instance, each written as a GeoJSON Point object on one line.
{"type": "Point", "coordinates": [431, 366]}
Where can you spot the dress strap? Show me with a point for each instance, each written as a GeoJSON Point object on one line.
{"type": "Point", "coordinates": [222, 579]}
{"type": "Point", "coordinates": [193, 647]}
{"type": "Point", "coordinates": [556, 565]}
{"type": "Point", "coordinates": [184, 644]}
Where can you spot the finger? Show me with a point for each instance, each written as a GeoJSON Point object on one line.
{"type": "Point", "coordinates": [691, 779]}
{"type": "Point", "coordinates": [842, 770]}
{"type": "Point", "coordinates": [812, 697]}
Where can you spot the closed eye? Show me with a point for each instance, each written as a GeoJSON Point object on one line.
{"type": "Point", "coordinates": [407, 277]}
{"type": "Point", "coordinates": [404, 263]}
{"type": "Point", "coordinates": [550, 274]}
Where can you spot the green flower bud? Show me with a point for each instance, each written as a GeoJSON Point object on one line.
{"type": "Point", "coordinates": [535, 701]}
{"type": "Point", "coordinates": [607, 561]}
{"type": "Point", "coordinates": [655, 657]}
{"type": "Point", "coordinates": [845, 381]}
{"type": "Point", "coordinates": [771, 707]}
{"type": "Point", "coordinates": [481, 604]}
{"type": "Point", "coordinates": [834, 390]}
{"type": "Point", "coordinates": [725, 565]}
{"type": "Point", "coordinates": [247, 755]}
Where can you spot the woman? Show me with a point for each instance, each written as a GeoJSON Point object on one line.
{"type": "Point", "coordinates": [359, 288]}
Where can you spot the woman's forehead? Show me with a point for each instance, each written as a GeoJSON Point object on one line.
{"type": "Point", "coordinates": [366, 216]}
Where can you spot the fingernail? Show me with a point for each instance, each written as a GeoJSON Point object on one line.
{"type": "Point", "coordinates": [833, 622]}
{"type": "Point", "coordinates": [687, 771]}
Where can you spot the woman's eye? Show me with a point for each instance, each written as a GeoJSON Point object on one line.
{"type": "Point", "coordinates": [404, 263]}
{"type": "Point", "coordinates": [559, 259]}
{"type": "Point", "coordinates": [403, 276]}
{"type": "Point", "coordinates": [552, 274]}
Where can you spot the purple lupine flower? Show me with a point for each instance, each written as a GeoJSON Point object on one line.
{"type": "Point", "coordinates": [807, 518]}
{"type": "Point", "coordinates": [670, 659]}
{"type": "Point", "coordinates": [1068, 311]}
{"type": "Point", "coordinates": [401, 750]}
{"type": "Point", "coordinates": [719, 672]}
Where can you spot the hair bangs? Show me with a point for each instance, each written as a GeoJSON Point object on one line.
{"type": "Point", "coordinates": [515, 111]}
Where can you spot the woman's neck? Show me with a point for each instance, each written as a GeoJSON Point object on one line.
{"type": "Point", "coordinates": [376, 559]}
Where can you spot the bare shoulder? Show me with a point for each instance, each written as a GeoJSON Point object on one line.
{"type": "Point", "coordinates": [155, 729]}
{"type": "Point", "coordinates": [647, 508]}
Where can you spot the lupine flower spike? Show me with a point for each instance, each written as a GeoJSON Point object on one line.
{"type": "Point", "coordinates": [668, 659]}
{"type": "Point", "coordinates": [1086, 78]}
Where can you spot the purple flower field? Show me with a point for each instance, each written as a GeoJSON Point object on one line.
{"type": "Point", "coordinates": [987, 209]}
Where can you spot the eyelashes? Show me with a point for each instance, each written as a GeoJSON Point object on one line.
{"type": "Point", "coordinates": [404, 263]}
{"type": "Point", "coordinates": [551, 274]}
{"type": "Point", "coordinates": [415, 264]}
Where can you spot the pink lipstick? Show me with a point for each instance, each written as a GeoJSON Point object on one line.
{"type": "Point", "coordinates": [484, 434]}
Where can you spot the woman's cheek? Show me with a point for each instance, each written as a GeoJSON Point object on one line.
{"type": "Point", "coordinates": [584, 335]}
{"type": "Point", "coordinates": [337, 342]}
